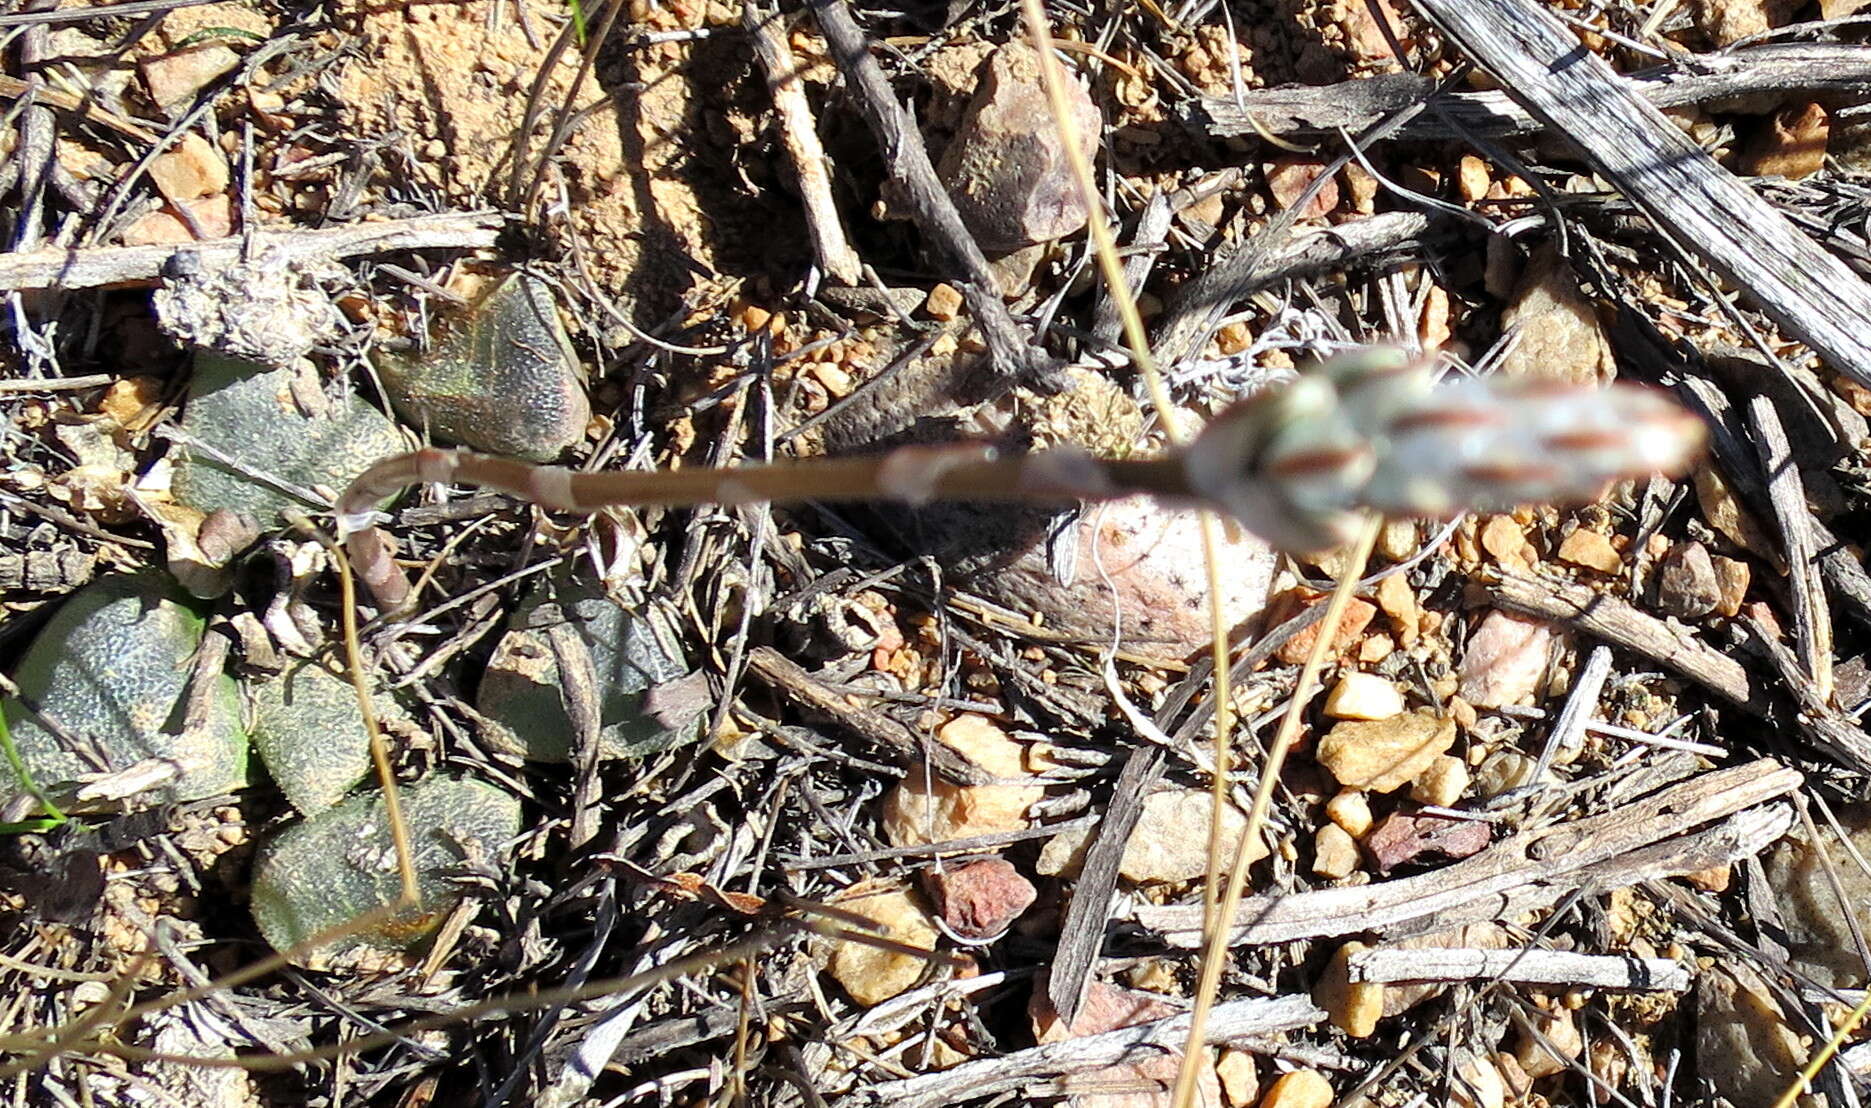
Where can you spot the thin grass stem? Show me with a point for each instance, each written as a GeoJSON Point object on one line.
{"type": "Point", "coordinates": [1215, 954]}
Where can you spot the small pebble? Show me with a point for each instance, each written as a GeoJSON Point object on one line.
{"type": "Point", "coordinates": [1154, 975]}
{"type": "Point", "coordinates": [1299, 1089]}
{"type": "Point", "coordinates": [1168, 846]}
{"type": "Point", "coordinates": [1402, 837]}
{"type": "Point", "coordinates": [1442, 784]}
{"type": "Point", "coordinates": [173, 80]}
{"type": "Point", "coordinates": [1733, 577]}
{"type": "Point", "coordinates": [1290, 175]}
{"type": "Point", "coordinates": [1398, 602]}
{"type": "Point", "coordinates": [925, 808]}
{"type": "Point", "coordinates": [1738, 1021]}
{"type": "Point", "coordinates": [1506, 543]}
{"type": "Point", "coordinates": [1687, 584]}
{"type": "Point", "coordinates": [1240, 1077]}
{"type": "Point", "coordinates": [1590, 550]}
{"type": "Point", "coordinates": [1714, 879]}
{"type": "Point", "coordinates": [1473, 179]}
{"type": "Point", "coordinates": [1334, 853]}
{"type": "Point", "coordinates": [1792, 144]}
{"type": "Point", "coordinates": [944, 303]}
{"type": "Point", "coordinates": [1354, 1007]}
{"type": "Point", "coordinates": [1006, 167]}
{"type": "Point", "coordinates": [189, 170]}
{"type": "Point", "coordinates": [1723, 510]}
{"type": "Point", "coordinates": [1146, 557]}
{"type": "Point", "coordinates": [1559, 1042]}
{"type": "Point", "coordinates": [1726, 22]}
{"type": "Point", "coordinates": [213, 215]}
{"type": "Point", "coordinates": [1479, 1084]}
{"type": "Point", "coordinates": [1363, 696]}
{"type": "Point", "coordinates": [1233, 338]}
{"type": "Point", "coordinates": [1397, 541]}
{"type": "Point", "coordinates": [1560, 337]}
{"type": "Point", "coordinates": [1357, 617]}
{"type": "Point", "coordinates": [1819, 929]}
{"type": "Point", "coordinates": [1163, 847]}
{"type": "Point", "coordinates": [1505, 660]}
{"type": "Point", "coordinates": [1350, 810]}
{"type": "Point", "coordinates": [1384, 755]}
{"type": "Point", "coordinates": [872, 974]}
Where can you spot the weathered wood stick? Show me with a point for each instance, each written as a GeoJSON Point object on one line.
{"type": "Point", "coordinates": [95, 266]}
{"type": "Point", "coordinates": [1531, 967]}
{"type": "Point", "coordinates": [1774, 70]}
{"type": "Point", "coordinates": [1732, 807]}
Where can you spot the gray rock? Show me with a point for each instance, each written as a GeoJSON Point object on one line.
{"type": "Point", "coordinates": [334, 867]}
{"type": "Point", "coordinates": [634, 653]}
{"type": "Point", "coordinates": [1006, 168]}
{"type": "Point", "coordinates": [1820, 941]}
{"type": "Point", "coordinates": [1687, 587]}
{"type": "Point", "coordinates": [110, 669]}
{"type": "Point", "coordinates": [1745, 1050]}
{"type": "Point", "coordinates": [501, 376]}
{"type": "Point", "coordinates": [279, 422]}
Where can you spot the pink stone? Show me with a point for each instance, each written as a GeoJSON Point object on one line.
{"type": "Point", "coordinates": [1148, 1082]}
{"type": "Point", "coordinates": [1402, 837]}
{"type": "Point", "coordinates": [979, 900]}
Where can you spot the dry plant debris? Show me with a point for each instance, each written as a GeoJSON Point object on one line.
{"type": "Point", "coordinates": [859, 805]}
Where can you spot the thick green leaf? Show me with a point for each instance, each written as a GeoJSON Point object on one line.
{"type": "Point", "coordinates": [340, 864]}
{"type": "Point", "coordinates": [276, 422]}
{"type": "Point", "coordinates": [110, 670]}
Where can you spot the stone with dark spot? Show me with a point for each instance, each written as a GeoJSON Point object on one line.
{"type": "Point", "coordinates": [1403, 837]}
{"type": "Point", "coordinates": [1687, 587]}
{"type": "Point", "coordinates": [1006, 168]}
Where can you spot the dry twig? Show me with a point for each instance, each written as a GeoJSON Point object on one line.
{"type": "Point", "coordinates": [1694, 201]}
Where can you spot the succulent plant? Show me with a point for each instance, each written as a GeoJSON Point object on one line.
{"type": "Point", "coordinates": [633, 651]}
{"type": "Point", "coordinates": [331, 868]}
{"type": "Point", "coordinates": [310, 733]}
{"type": "Point", "coordinates": [110, 670]}
{"type": "Point", "coordinates": [501, 376]}
{"type": "Point", "coordinates": [279, 422]}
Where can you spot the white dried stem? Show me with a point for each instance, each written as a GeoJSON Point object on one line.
{"type": "Point", "coordinates": [1528, 967]}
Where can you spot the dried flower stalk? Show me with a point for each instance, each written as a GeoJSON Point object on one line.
{"type": "Point", "coordinates": [1368, 431]}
